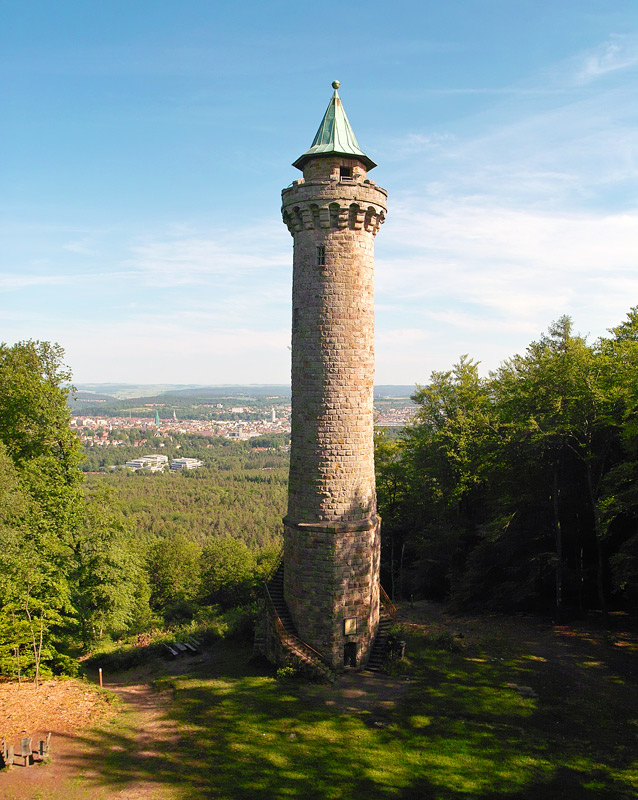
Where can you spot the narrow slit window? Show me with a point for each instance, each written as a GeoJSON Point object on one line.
{"type": "Point", "coordinates": [321, 256]}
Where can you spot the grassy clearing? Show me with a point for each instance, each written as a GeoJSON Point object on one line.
{"type": "Point", "coordinates": [510, 709]}
{"type": "Point", "coordinates": [501, 713]}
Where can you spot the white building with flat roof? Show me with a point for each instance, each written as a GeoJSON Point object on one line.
{"type": "Point", "coordinates": [186, 463]}
{"type": "Point", "coordinates": [152, 463]}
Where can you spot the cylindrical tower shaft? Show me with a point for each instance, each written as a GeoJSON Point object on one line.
{"type": "Point", "coordinates": [331, 556]}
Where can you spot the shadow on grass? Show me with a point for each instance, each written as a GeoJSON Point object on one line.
{"type": "Point", "coordinates": [460, 732]}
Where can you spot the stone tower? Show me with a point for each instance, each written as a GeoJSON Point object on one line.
{"type": "Point", "coordinates": [331, 530]}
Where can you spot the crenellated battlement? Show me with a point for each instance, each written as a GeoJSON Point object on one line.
{"type": "Point", "coordinates": [311, 205]}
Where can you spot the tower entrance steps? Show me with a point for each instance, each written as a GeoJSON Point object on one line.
{"type": "Point", "coordinates": [275, 588]}
{"type": "Point", "coordinates": [283, 627]}
{"type": "Point", "coordinates": [381, 648]}
{"type": "Point", "coordinates": [376, 662]}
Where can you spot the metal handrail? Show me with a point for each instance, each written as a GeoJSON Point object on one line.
{"type": "Point", "coordinates": [387, 603]}
{"type": "Point", "coordinates": [278, 560]}
{"type": "Point", "coordinates": [289, 638]}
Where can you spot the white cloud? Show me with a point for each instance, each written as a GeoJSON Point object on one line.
{"type": "Point", "coordinates": [411, 144]}
{"type": "Point", "coordinates": [619, 52]}
{"type": "Point", "coordinates": [526, 213]}
{"type": "Point", "coordinates": [167, 349]}
{"type": "Point", "coordinates": [80, 246]}
{"type": "Point", "coordinates": [401, 337]}
{"type": "Point", "coordinates": [511, 247]}
{"type": "Point", "coordinates": [228, 255]}
{"type": "Point", "coordinates": [487, 280]}
{"type": "Point", "coordinates": [10, 282]}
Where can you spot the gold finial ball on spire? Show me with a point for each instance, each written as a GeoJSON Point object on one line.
{"type": "Point", "coordinates": [335, 84]}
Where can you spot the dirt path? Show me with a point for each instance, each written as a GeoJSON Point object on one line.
{"type": "Point", "coordinates": [76, 769]}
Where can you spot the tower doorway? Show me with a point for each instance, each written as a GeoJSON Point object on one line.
{"type": "Point", "coordinates": [350, 654]}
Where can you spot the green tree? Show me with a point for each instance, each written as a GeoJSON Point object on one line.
{"type": "Point", "coordinates": [34, 416]}
{"type": "Point", "coordinates": [228, 572]}
{"type": "Point", "coordinates": [561, 406]}
{"type": "Point", "coordinates": [34, 430]}
{"type": "Point", "coordinates": [33, 587]}
{"type": "Point", "coordinates": [432, 485]}
{"type": "Point", "coordinates": [34, 426]}
{"type": "Point", "coordinates": [15, 641]}
{"type": "Point", "coordinates": [173, 565]}
{"type": "Point", "coordinates": [619, 509]}
{"type": "Point", "coordinates": [107, 576]}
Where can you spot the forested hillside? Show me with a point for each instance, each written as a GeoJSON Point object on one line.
{"type": "Point", "coordinates": [247, 502]}
{"type": "Point", "coordinates": [519, 490]}
{"type": "Point", "coordinates": [85, 560]}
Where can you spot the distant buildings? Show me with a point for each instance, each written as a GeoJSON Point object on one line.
{"type": "Point", "coordinates": [107, 432]}
{"type": "Point", "coordinates": [186, 463]}
{"type": "Point", "coordinates": [241, 429]}
{"type": "Point", "coordinates": [153, 463]}
{"type": "Point", "coordinates": [157, 463]}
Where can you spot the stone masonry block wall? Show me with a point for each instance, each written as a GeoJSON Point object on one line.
{"type": "Point", "coordinates": [331, 534]}
{"type": "Point", "coordinates": [332, 455]}
{"type": "Point", "coordinates": [332, 575]}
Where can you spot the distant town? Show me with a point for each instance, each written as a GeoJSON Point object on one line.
{"type": "Point", "coordinates": [164, 429]}
{"type": "Point", "coordinates": [240, 424]}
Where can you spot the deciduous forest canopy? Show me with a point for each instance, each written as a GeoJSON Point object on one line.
{"type": "Point", "coordinates": [511, 491]}
{"type": "Point", "coordinates": [518, 490]}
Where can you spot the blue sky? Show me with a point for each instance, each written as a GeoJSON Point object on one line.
{"type": "Point", "coordinates": [145, 146]}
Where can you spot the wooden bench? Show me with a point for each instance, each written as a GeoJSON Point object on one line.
{"type": "Point", "coordinates": [25, 751]}
{"type": "Point", "coordinates": [44, 747]}
{"type": "Point", "coordinates": [7, 754]}
{"type": "Point", "coordinates": [187, 647]}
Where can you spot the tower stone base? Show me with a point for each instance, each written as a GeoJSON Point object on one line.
{"type": "Point", "coordinates": [331, 586]}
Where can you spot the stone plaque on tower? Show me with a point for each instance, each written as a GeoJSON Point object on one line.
{"type": "Point", "coordinates": [331, 530]}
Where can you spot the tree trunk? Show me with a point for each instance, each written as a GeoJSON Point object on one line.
{"type": "Point", "coordinates": [17, 652]}
{"type": "Point", "coordinates": [558, 534]}
{"type": "Point", "coordinates": [392, 570]}
{"type": "Point", "coordinates": [598, 531]}
{"type": "Point", "coordinates": [33, 643]}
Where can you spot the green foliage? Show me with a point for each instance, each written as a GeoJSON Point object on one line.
{"type": "Point", "coordinates": [518, 490]}
{"type": "Point", "coordinates": [241, 494]}
{"type": "Point", "coordinates": [235, 624]}
{"type": "Point", "coordinates": [34, 418]}
{"type": "Point", "coordinates": [173, 565]}
{"type": "Point", "coordinates": [108, 576]}
{"type": "Point", "coordinates": [83, 562]}
{"type": "Point", "coordinates": [33, 586]}
{"type": "Point", "coordinates": [65, 665]}
{"type": "Point", "coordinates": [285, 674]}
{"type": "Point", "coordinates": [68, 568]}
{"type": "Point", "coordinates": [228, 572]}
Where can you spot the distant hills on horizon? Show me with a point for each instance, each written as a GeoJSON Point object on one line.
{"type": "Point", "coordinates": [125, 391]}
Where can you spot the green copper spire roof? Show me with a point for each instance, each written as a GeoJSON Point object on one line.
{"type": "Point", "coordinates": [335, 135]}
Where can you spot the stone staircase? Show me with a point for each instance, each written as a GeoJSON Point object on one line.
{"type": "Point", "coordinates": [376, 662]}
{"type": "Point", "coordinates": [276, 590]}
{"type": "Point", "coordinates": [286, 631]}
{"type": "Point", "coordinates": [290, 636]}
